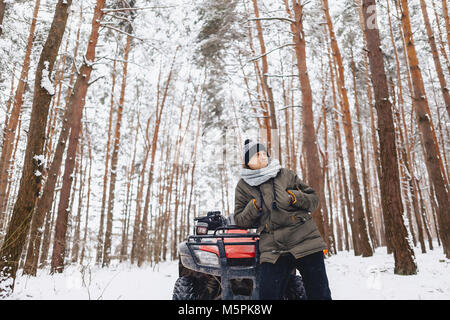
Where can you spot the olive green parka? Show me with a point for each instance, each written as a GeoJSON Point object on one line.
{"type": "Point", "coordinates": [287, 225]}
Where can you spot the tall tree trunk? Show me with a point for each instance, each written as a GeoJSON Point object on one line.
{"type": "Point", "coordinates": [346, 205]}
{"type": "Point", "coordinates": [115, 158]}
{"type": "Point", "coordinates": [72, 217]}
{"type": "Point", "coordinates": [389, 180]}
{"type": "Point", "coordinates": [404, 147]}
{"type": "Point", "coordinates": [194, 160]}
{"type": "Point", "coordinates": [428, 138]}
{"type": "Point", "coordinates": [43, 206]}
{"type": "Point", "coordinates": [143, 232]}
{"type": "Point", "coordinates": [30, 182]}
{"type": "Point", "coordinates": [100, 237]}
{"type": "Point", "coordinates": [48, 231]}
{"type": "Point", "coordinates": [440, 128]}
{"type": "Point", "coordinates": [359, 218]}
{"type": "Point", "coordinates": [3, 213]}
{"type": "Point", "coordinates": [126, 224]}
{"type": "Point", "coordinates": [180, 172]}
{"type": "Point", "coordinates": [56, 101]}
{"type": "Point", "coordinates": [435, 54]}
{"type": "Point", "coordinates": [423, 213]}
{"type": "Point", "coordinates": [331, 242]}
{"type": "Point", "coordinates": [314, 174]}
{"type": "Point", "coordinates": [447, 20]}
{"type": "Point", "coordinates": [175, 213]}
{"type": "Point", "coordinates": [78, 100]}
{"type": "Point", "coordinates": [374, 141]}
{"type": "Point", "coordinates": [341, 175]}
{"type": "Point", "coordinates": [10, 178]}
{"type": "Point", "coordinates": [11, 125]}
{"type": "Point", "coordinates": [272, 126]}
{"type": "Point", "coordinates": [441, 39]}
{"type": "Point", "coordinates": [83, 246]}
{"type": "Point", "coordinates": [363, 160]}
{"type": "Point", "coordinates": [77, 231]}
{"type": "Point", "coordinates": [139, 193]}
{"type": "Point", "coordinates": [401, 155]}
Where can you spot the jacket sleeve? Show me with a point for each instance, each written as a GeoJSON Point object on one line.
{"type": "Point", "coordinates": [245, 212]}
{"type": "Point", "coordinates": [306, 197]}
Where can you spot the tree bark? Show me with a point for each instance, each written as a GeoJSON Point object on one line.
{"type": "Point", "coordinates": [83, 246]}
{"type": "Point", "coordinates": [77, 100]}
{"type": "Point", "coordinates": [139, 193]}
{"type": "Point", "coordinates": [30, 182]}
{"type": "Point", "coordinates": [48, 231]}
{"type": "Point", "coordinates": [272, 126]}
{"type": "Point", "coordinates": [115, 158]}
{"type": "Point", "coordinates": [365, 178]}
{"type": "Point", "coordinates": [194, 161]}
{"type": "Point", "coordinates": [314, 174]}
{"type": "Point", "coordinates": [77, 231]}
{"type": "Point", "coordinates": [441, 39]}
{"type": "Point", "coordinates": [447, 22]}
{"type": "Point", "coordinates": [359, 218]}
{"type": "Point", "coordinates": [44, 203]}
{"type": "Point", "coordinates": [100, 243]}
{"type": "Point", "coordinates": [428, 138]}
{"type": "Point", "coordinates": [331, 242]}
{"type": "Point", "coordinates": [389, 180]}
{"type": "Point", "coordinates": [404, 147]}
{"type": "Point", "coordinates": [129, 196]}
{"type": "Point", "coordinates": [435, 54]}
{"type": "Point", "coordinates": [11, 125]}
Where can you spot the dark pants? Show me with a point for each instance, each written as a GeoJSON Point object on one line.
{"type": "Point", "coordinates": [274, 277]}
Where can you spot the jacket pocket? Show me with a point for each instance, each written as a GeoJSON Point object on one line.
{"type": "Point", "coordinates": [303, 228]}
{"type": "Point", "coordinates": [300, 217]}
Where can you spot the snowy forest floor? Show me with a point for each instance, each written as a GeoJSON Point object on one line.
{"type": "Point", "coordinates": [350, 277]}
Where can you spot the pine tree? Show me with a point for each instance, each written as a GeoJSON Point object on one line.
{"type": "Point", "coordinates": [77, 100]}
{"type": "Point", "coordinates": [433, 159]}
{"type": "Point", "coordinates": [30, 182]}
{"type": "Point", "coordinates": [13, 119]}
{"type": "Point", "coordinates": [389, 179]}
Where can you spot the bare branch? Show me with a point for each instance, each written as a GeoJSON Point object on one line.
{"type": "Point", "coordinates": [291, 106]}
{"type": "Point", "coordinates": [280, 75]}
{"type": "Point", "coordinates": [123, 32]}
{"type": "Point", "coordinates": [107, 11]}
{"type": "Point", "coordinates": [265, 54]}
{"type": "Point", "coordinates": [93, 81]}
{"type": "Point", "coordinates": [273, 18]}
{"type": "Point", "coordinates": [118, 17]}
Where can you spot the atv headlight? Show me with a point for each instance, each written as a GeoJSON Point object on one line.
{"type": "Point", "coordinates": [201, 228]}
{"type": "Point", "coordinates": [207, 258]}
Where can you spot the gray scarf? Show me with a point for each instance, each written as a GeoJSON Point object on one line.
{"type": "Point", "coordinates": [258, 177]}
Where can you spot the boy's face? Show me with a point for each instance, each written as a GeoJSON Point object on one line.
{"type": "Point", "coordinates": [258, 161]}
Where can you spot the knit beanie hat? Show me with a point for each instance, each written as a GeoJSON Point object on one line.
{"type": "Point", "coordinates": [251, 148]}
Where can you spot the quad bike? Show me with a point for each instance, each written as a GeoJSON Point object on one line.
{"type": "Point", "coordinates": [221, 261]}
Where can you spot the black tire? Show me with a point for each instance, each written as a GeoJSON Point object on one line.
{"type": "Point", "coordinates": [295, 289]}
{"type": "Point", "coordinates": [184, 289]}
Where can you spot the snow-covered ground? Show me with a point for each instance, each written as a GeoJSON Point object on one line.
{"type": "Point", "coordinates": [350, 277]}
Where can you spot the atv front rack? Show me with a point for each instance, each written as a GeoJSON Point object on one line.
{"type": "Point", "coordinates": [223, 269]}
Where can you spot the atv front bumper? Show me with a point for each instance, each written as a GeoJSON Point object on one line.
{"type": "Point", "coordinates": [222, 269]}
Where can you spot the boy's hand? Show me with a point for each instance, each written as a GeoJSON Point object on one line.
{"type": "Point", "coordinates": [292, 197]}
